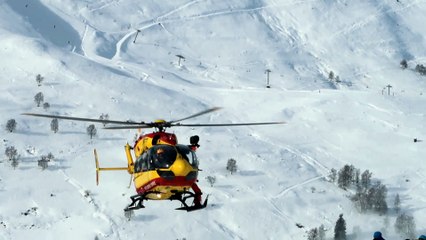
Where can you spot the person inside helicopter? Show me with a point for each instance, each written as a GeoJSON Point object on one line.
{"type": "Point", "coordinates": [159, 156]}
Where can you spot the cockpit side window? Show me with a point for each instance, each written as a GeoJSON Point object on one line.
{"type": "Point", "coordinates": [188, 155]}
{"type": "Point", "coordinates": [142, 163]}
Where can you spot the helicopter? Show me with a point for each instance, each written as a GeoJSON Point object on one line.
{"type": "Point", "coordinates": [160, 167]}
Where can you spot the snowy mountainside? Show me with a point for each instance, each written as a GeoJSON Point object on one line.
{"type": "Point", "coordinates": [93, 62]}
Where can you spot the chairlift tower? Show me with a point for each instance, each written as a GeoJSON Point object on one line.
{"type": "Point", "coordinates": [267, 71]}
{"type": "Point", "coordinates": [180, 57]}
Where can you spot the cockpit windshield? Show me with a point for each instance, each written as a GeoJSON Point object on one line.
{"type": "Point", "coordinates": [163, 156]}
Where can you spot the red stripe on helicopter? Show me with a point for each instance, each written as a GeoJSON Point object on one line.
{"type": "Point", "coordinates": [161, 182]}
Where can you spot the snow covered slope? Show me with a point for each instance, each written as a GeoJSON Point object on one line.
{"type": "Point", "coordinates": [119, 57]}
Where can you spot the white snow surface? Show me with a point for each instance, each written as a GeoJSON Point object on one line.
{"type": "Point", "coordinates": [86, 52]}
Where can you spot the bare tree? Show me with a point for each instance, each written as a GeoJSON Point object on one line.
{"type": "Point", "coordinates": [91, 130]}
{"type": "Point", "coordinates": [39, 98]}
{"type": "Point", "coordinates": [11, 125]}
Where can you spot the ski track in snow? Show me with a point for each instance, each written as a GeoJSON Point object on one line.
{"type": "Point", "coordinates": [104, 4]}
{"type": "Point", "coordinates": [229, 232]}
{"type": "Point", "coordinates": [73, 182]}
{"type": "Point", "coordinates": [154, 22]}
{"type": "Point", "coordinates": [160, 20]}
{"type": "Point", "coordinates": [362, 23]}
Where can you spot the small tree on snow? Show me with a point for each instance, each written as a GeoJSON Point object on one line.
{"type": "Point", "coordinates": [91, 130]}
{"type": "Point", "coordinates": [14, 163]}
{"type": "Point", "coordinates": [377, 195]}
{"type": "Point", "coordinates": [405, 225]}
{"type": "Point", "coordinates": [104, 117]}
{"type": "Point", "coordinates": [11, 125]}
{"type": "Point", "coordinates": [231, 166]}
{"type": "Point", "coordinates": [421, 69]}
{"type": "Point", "coordinates": [54, 125]}
{"type": "Point", "coordinates": [366, 179]}
{"type": "Point", "coordinates": [340, 229]}
{"type": "Point", "coordinates": [50, 157]}
{"type": "Point", "coordinates": [313, 234]}
{"type": "Point", "coordinates": [39, 98]}
{"type": "Point", "coordinates": [211, 180]}
{"type": "Point", "coordinates": [11, 153]}
{"type": "Point", "coordinates": [337, 79]}
{"type": "Point", "coordinates": [397, 204]}
{"type": "Point", "coordinates": [46, 106]}
{"type": "Point", "coordinates": [403, 64]}
{"type": "Point", "coordinates": [43, 162]}
{"type": "Point", "coordinates": [333, 175]}
{"type": "Point", "coordinates": [331, 76]}
{"type": "Point", "coordinates": [39, 79]}
{"type": "Point", "coordinates": [345, 176]}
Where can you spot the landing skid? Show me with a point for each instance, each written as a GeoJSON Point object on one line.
{"type": "Point", "coordinates": [137, 201]}
{"type": "Point", "coordinates": [182, 198]}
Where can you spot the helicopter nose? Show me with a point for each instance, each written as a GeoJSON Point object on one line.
{"type": "Point", "coordinates": [180, 167]}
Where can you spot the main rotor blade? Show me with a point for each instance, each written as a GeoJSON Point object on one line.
{"type": "Point", "coordinates": [197, 114]}
{"type": "Point", "coordinates": [150, 125]}
{"type": "Point", "coordinates": [224, 124]}
{"type": "Point", "coordinates": [81, 119]}
{"type": "Point", "coordinates": [129, 127]}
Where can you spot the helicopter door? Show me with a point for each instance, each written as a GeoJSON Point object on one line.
{"type": "Point", "coordinates": [142, 163]}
